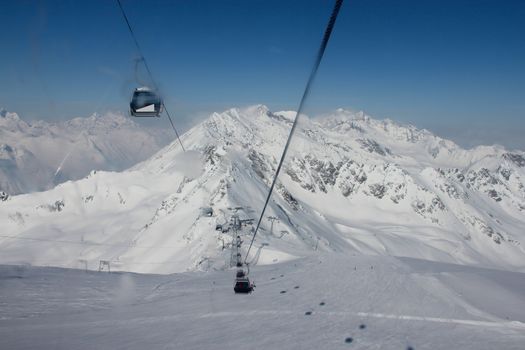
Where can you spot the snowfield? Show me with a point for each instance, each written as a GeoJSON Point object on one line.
{"type": "Point", "coordinates": [378, 236]}
{"type": "Point", "coordinates": [36, 156]}
{"type": "Point", "coordinates": [323, 301]}
{"type": "Point", "coordinates": [351, 184]}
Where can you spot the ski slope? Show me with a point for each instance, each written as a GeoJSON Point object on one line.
{"type": "Point", "coordinates": [322, 301]}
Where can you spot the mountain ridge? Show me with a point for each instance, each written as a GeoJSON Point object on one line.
{"type": "Point", "coordinates": [36, 156]}
{"type": "Point", "coordinates": [345, 187]}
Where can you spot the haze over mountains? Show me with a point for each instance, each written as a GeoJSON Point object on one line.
{"type": "Point", "coordinates": [351, 184]}
{"type": "Point", "coordinates": [36, 156]}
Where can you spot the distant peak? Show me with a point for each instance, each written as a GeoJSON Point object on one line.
{"type": "Point", "coordinates": [253, 111]}
{"type": "Point", "coordinates": [260, 107]}
{"type": "Point", "coordinates": [5, 114]}
{"type": "Point", "coordinates": [107, 115]}
{"type": "Point", "coordinates": [342, 115]}
{"type": "Point", "coordinates": [109, 120]}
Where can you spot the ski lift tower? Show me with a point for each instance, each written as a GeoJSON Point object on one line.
{"type": "Point", "coordinates": [236, 228]}
{"type": "Point", "coordinates": [272, 219]}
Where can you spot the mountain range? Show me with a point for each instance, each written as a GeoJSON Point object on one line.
{"type": "Point", "coordinates": [36, 156]}
{"type": "Point", "coordinates": [351, 184]}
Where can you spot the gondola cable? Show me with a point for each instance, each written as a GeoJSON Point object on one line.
{"type": "Point", "coordinates": [143, 58]}
{"type": "Point", "coordinates": [324, 43]}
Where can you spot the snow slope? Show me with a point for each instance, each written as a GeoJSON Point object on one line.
{"type": "Point", "coordinates": [328, 301]}
{"type": "Point", "coordinates": [39, 155]}
{"type": "Point", "coordinates": [351, 184]}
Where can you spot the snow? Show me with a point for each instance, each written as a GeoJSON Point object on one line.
{"type": "Point", "coordinates": [36, 156]}
{"type": "Point", "coordinates": [378, 236]}
{"type": "Point", "coordinates": [351, 184]}
{"type": "Point", "coordinates": [316, 302]}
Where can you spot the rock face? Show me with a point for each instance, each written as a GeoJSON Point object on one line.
{"type": "Point", "coordinates": [350, 184]}
{"type": "Point", "coordinates": [37, 156]}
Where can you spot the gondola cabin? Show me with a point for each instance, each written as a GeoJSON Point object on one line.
{"type": "Point", "coordinates": [243, 285]}
{"type": "Point", "coordinates": [145, 103]}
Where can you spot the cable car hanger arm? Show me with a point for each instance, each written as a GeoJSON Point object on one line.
{"type": "Point", "coordinates": [148, 70]}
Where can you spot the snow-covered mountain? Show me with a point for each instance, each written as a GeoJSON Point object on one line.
{"type": "Point", "coordinates": [350, 184]}
{"type": "Point", "coordinates": [37, 156]}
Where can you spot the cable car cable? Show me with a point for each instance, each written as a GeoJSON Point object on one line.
{"type": "Point", "coordinates": [324, 43]}
{"type": "Point", "coordinates": [148, 70]}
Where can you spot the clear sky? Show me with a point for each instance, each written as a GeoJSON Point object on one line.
{"type": "Point", "coordinates": [456, 67]}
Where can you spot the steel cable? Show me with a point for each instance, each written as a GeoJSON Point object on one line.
{"type": "Point", "coordinates": [320, 53]}
{"type": "Point", "coordinates": [148, 70]}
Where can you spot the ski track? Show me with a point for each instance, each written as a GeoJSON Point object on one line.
{"type": "Point", "coordinates": [379, 302]}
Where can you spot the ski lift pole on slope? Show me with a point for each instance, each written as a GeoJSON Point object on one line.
{"type": "Point", "coordinates": [242, 281]}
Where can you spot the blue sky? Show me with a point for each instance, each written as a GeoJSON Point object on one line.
{"type": "Point", "coordinates": [455, 67]}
